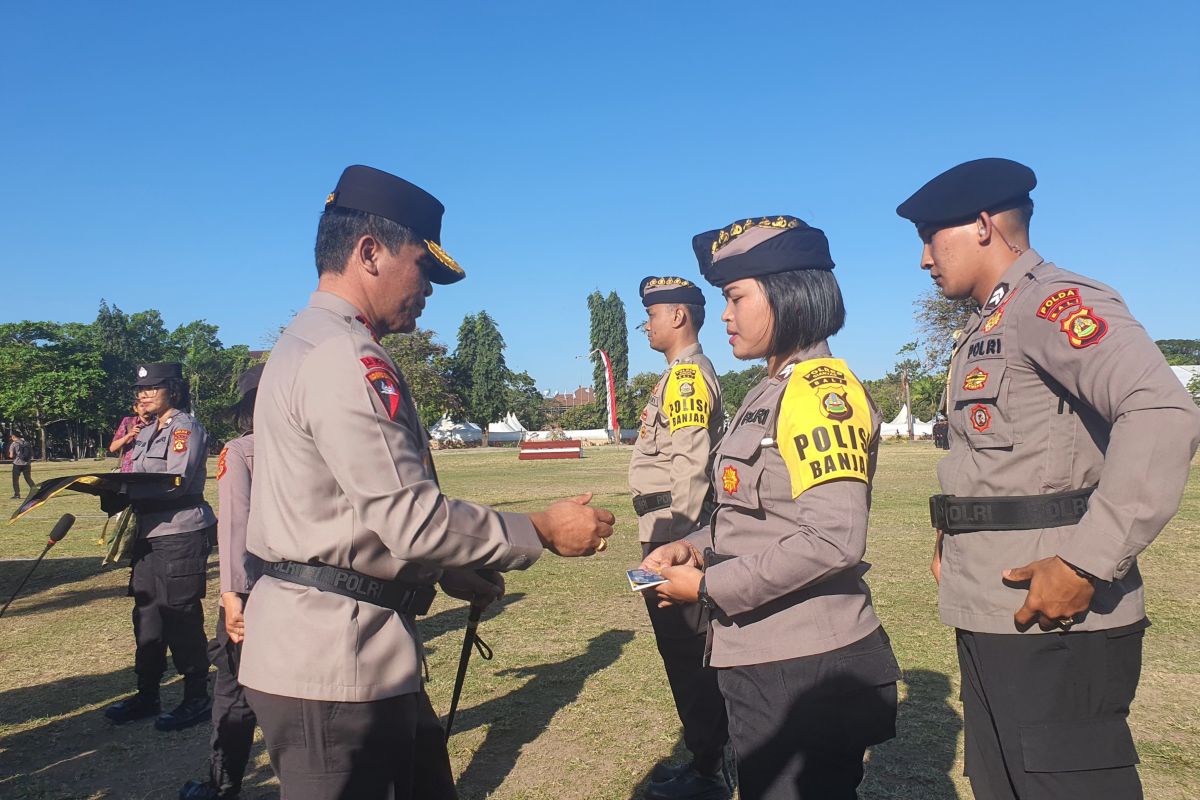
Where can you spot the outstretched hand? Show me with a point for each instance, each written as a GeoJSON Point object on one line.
{"type": "Point", "coordinates": [1056, 593]}
{"type": "Point", "coordinates": [571, 527]}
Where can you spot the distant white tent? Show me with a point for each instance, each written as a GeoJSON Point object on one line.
{"type": "Point", "coordinates": [899, 426]}
{"type": "Point", "coordinates": [447, 430]}
{"type": "Point", "coordinates": [1187, 374]}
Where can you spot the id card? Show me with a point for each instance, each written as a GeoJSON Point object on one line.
{"type": "Point", "coordinates": [640, 579]}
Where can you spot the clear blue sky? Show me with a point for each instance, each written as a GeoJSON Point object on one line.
{"type": "Point", "coordinates": [177, 156]}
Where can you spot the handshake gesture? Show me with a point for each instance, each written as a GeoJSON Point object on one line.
{"type": "Point", "coordinates": [571, 527]}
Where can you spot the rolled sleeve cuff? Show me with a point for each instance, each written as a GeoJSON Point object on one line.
{"type": "Point", "coordinates": [525, 547]}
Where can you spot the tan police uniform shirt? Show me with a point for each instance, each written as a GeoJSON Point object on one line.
{"type": "Point", "coordinates": [344, 476]}
{"type": "Point", "coordinates": [795, 586]}
{"type": "Point", "coordinates": [180, 447]}
{"type": "Point", "coordinates": [674, 446]}
{"type": "Point", "coordinates": [235, 471]}
{"type": "Point", "coordinates": [1055, 386]}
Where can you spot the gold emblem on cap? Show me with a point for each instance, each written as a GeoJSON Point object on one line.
{"type": "Point", "coordinates": [444, 257]}
{"type": "Point", "coordinates": [328, 200]}
{"type": "Point", "coordinates": [727, 235]}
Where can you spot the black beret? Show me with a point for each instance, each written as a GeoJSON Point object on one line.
{"type": "Point", "coordinates": [760, 246]}
{"type": "Point", "coordinates": [247, 382]}
{"type": "Point", "coordinates": [669, 289]}
{"type": "Point", "coordinates": [383, 194]}
{"type": "Point", "coordinates": [158, 374]}
{"type": "Point", "coordinates": [960, 193]}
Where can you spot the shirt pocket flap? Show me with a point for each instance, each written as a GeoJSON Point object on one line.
{"type": "Point", "coordinates": [182, 567]}
{"type": "Point", "coordinates": [743, 443]}
{"type": "Point", "coordinates": [739, 467]}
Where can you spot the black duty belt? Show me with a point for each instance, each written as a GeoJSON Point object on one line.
{"type": "Point", "coordinates": [404, 598]}
{"type": "Point", "coordinates": [643, 504]}
{"type": "Point", "coordinates": [150, 505]}
{"type": "Point", "coordinates": [953, 514]}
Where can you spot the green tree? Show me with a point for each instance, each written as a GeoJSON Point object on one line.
{"type": "Point", "coordinates": [641, 387]}
{"type": "Point", "coordinates": [481, 377]}
{"type": "Point", "coordinates": [1180, 352]}
{"type": "Point", "coordinates": [610, 333]}
{"type": "Point", "coordinates": [735, 385]}
{"type": "Point", "coordinates": [586, 417]}
{"type": "Point", "coordinates": [525, 401]}
{"type": "Point", "coordinates": [937, 319]}
{"type": "Point", "coordinates": [427, 370]}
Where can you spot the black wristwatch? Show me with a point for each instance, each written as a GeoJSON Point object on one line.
{"type": "Point", "coordinates": [705, 599]}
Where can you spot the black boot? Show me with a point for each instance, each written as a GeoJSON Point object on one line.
{"type": "Point", "coordinates": [138, 706]}
{"type": "Point", "coordinates": [195, 708]}
{"type": "Point", "coordinates": [689, 784]}
{"type": "Point", "coordinates": [205, 790]}
{"type": "Point", "coordinates": [664, 771]}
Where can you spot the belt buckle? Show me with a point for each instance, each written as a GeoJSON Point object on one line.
{"type": "Point", "coordinates": [937, 511]}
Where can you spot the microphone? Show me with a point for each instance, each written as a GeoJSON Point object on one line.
{"type": "Point", "coordinates": [61, 527]}
{"type": "Point", "coordinates": [56, 535]}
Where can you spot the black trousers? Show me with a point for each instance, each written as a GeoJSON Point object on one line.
{"type": "Point", "coordinates": [800, 727]}
{"type": "Point", "coordinates": [680, 632]}
{"type": "Point", "coordinates": [391, 749]}
{"type": "Point", "coordinates": [167, 585]}
{"type": "Point", "coordinates": [18, 471]}
{"type": "Point", "coordinates": [1045, 715]}
{"type": "Point", "coordinates": [233, 720]}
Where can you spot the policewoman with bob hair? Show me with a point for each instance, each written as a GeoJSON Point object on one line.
{"type": "Point", "coordinates": [806, 669]}
{"type": "Point", "coordinates": [169, 553]}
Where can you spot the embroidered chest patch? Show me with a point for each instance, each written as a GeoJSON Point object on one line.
{"type": "Point", "coordinates": [730, 480]}
{"type": "Point", "coordinates": [993, 320]}
{"type": "Point", "coordinates": [981, 418]}
{"type": "Point", "coordinates": [976, 379]}
{"type": "Point", "coordinates": [382, 379]}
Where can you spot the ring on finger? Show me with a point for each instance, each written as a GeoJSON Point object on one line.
{"type": "Point", "coordinates": [1066, 622]}
{"type": "Point", "coordinates": [600, 548]}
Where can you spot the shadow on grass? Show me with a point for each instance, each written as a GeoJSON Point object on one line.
{"type": "Point", "coordinates": [679, 755]}
{"type": "Point", "coordinates": [917, 763]}
{"type": "Point", "coordinates": [519, 717]}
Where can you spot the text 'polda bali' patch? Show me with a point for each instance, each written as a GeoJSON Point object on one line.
{"type": "Point", "coordinates": [686, 400]}
{"type": "Point", "coordinates": [1082, 326]}
{"type": "Point", "coordinates": [179, 439]}
{"type": "Point", "coordinates": [824, 429]}
{"type": "Point", "coordinates": [383, 380]}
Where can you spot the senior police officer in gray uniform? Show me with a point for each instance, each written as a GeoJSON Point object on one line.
{"type": "Point", "coordinates": [669, 475]}
{"type": "Point", "coordinates": [349, 520]}
{"type": "Point", "coordinates": [170, 553]}
{"type": "Point", "coordinates": [1070, 446]}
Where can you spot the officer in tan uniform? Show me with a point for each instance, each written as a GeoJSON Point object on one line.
{"type": "Point", "coordinates": [350, 523]}
{"type": "Point", "coordinates": [233, 720]}
{"type": "Point", "coordinates": [169, 554]}
{"type": "Point", "coordinates": [669, 475]}
{"type": "Point", "coordinates": [1070, 446]}
{"type": "Point", "coordinates": [806, 669]}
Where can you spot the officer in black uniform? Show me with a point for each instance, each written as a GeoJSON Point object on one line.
{"type": "Point", "coordinates": [169, 554]}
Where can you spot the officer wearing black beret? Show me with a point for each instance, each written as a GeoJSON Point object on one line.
{"type": "Point", "coordinates": [1070, 441]}
{"type": "Point", "coordinates": [806, 669]}
{"type": "Point", "coordinates": [169, 554]}
{"type": "Point", "coordinates": [351, 526]}
{"type": "Point", "coordinates": [670, 478]}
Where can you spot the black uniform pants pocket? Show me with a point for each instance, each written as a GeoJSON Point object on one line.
{"type": "Point", "coordinates": [1045, 715]}
{"type": "Point", "coordinates": [167, 613]}
{"type": "Point", "coordinates": [800, 727]}
{"type": "Point", "coordinates": [390, 749]}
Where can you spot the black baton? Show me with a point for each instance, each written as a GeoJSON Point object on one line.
{"type": "Point", "coordinates": [485, 652]}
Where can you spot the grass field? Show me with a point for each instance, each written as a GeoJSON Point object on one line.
{"type": "Point", "coordinates": [575, 704]}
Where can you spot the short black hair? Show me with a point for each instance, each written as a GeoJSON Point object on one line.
{"type": "Point", "coordinates": [807, 306]}
{"type": "Point", "coordinates": [695, 313]}
{"type": "Point", "coordinates": [341, 228]}
{"type": "Point", "coordinates": [243, 412]}
{"type": "Point", "coordinates": [179, 396]}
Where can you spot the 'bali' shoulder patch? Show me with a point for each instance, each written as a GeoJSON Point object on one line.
{"type": "Point", "coordinates": [383, 380]}
{"type": "Point", "coordinates": [221, 462]}
{"type": "Point", "coordinates": [179, 439]}
{"type": "Point", "coordinates": [824, 430]}
{"type": "Point", "coordinates": [686, 399]}
{"type": "Point", "coordinates": [1082, 326]}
